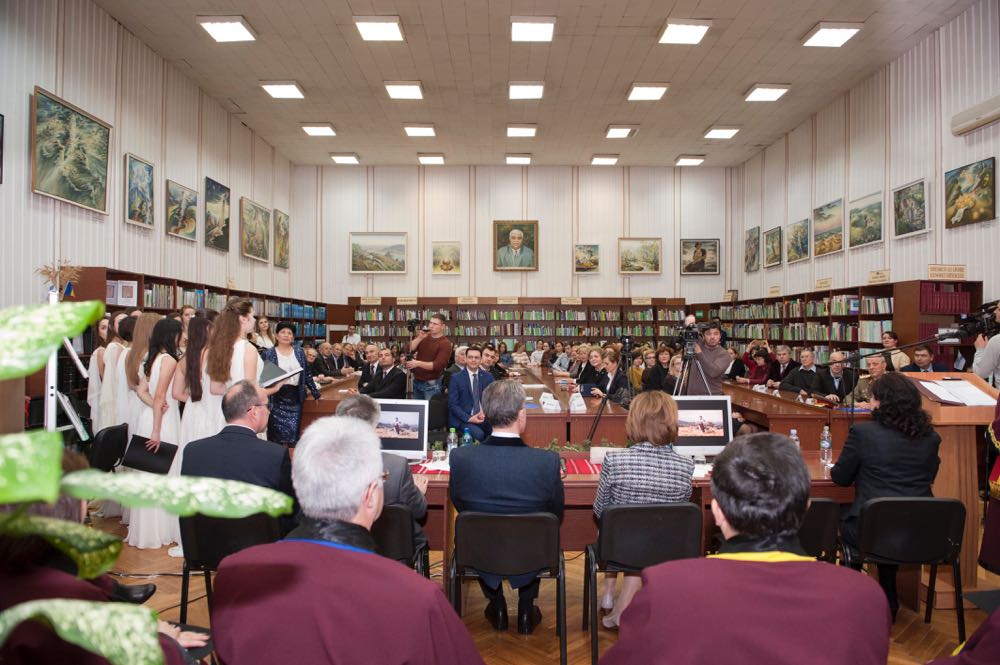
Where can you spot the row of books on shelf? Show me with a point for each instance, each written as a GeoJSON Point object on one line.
{"type": "Point", "coordinates": [158, 296]}
{"type": "Point", "coordinates": [873, 305]}
{"type": "Point", "coordinates": [308, 329]}
{"type": "Point", "coordinates": [201, 299]}
{"type": "Point", "coordinates": [277, 309]}
{"type": "Point", "coordinates": [943, 299]}
{"type": "Point", "coordinates": [749, 311]}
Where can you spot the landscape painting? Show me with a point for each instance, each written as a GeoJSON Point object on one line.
{"type": "Point", "coordinates": [281, 240]}
{"type": "Point", "coordinates": [216, 215]}
{"type": "Point", "coordinates": [797, 241]}
{"type": "Point", "coordinates": [182, 211]}
{"type": "Point", "coordinates": [255, 230]}
{"type": "Point", "coordinates": [378, 252]}
{"type": "Point", "coordinates": [700, 257]}
{"type": "Point", "coordinates": [866, 220]}
{"type": "Point", "coordinates": [751, 249]}
{"type": "Point", "coordinates": [909, 206]}
{"type": "Point", "coordinates": [69, 153]}
{"type": "Point", "coordinates": [640, 256]}
{"type": "Point", "coordinates": [138, 192]}
{"type": "Point", "coordinates": [970, 194]}
{"type": "Point", "coordinates": [586, 259]}
{"type": "Point", "coordinates": [828, 228]}
{"type": "Point", "coordinates": [446, 257]}
{"type": "Point", "coordinates": [772, 247]}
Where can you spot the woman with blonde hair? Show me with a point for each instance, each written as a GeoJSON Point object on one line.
{"type": "Point", "coordinates": [263, 337]}
{"type": "Point", "coordinates": [648, 472]}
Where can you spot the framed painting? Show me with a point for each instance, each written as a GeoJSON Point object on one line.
{"type": "Point", "coordinates": [772, 247]}
{"type": "Point", "coordinates": [281, 240]}
{"type": "Point", "coordinates": [828, 228]}
{"type": "Point", "coordinates": [909, 209]}
{"type": "Point", "coordinates": [217, 198]}
{"type": "Point", "coordinates": [69, 153]}
{"type": "Point", "coordinates": [255, 230]}
{"type": "Point", "coordinates": [700, 257]}
{"type": "Point", "coordinates": [640, 256]}
{"type": "Point", "coordinates": [586, 259]}
{"type": "Point", "coordinates": [378, 253]}
{"type": "Point", "coordinates": [970, 194]}
{"type": "Point", "coordinates": [797, 241]}
{"type": "Point", "coordinates": [865, 221]}
{"type": "Point", "coordinates": [446, 257]}
{"type": "Point", "coordinates": [515, 245]}
{"type": "Point", "coordinates": [138, 192]}
{"type": "Point", "coordinates": [751, 249]}
{"type": "Point", "coordinates": [181, 212]}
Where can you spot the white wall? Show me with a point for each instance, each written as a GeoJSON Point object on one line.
{"type": "Point", "coordinates": [73, 49]}
{"type": "Point", "coordinates": [887, 131]}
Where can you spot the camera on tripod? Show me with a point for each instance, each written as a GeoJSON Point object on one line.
{"type": "Point", "coordinates": [982, 322]}
{"type": "Point", "coordinates": [690, 336]}
{"type": "Point", "coordinates": [626, 341]}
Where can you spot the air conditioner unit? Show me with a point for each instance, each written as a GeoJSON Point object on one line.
{"type": "Point", "coordinates": [975, 117]}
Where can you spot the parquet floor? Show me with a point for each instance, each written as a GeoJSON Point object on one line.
{"type": "Point", "coordinates": [913, 642]}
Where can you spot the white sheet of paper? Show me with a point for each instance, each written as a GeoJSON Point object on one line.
{"type": "Point", "coordinates": [701, 470]}
{"type": "Point", "coordinates": [967, 393]}
{"type": "Point", "coordinates": [533, 385]}
{"type": "Point", "coordinates": [437, 466]}
{"type": "Point", "coordinates": [941, 392]}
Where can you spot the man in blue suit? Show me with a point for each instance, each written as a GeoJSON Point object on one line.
{"type": "Point", "coordinates": [923, 361]}
{"type": "Point", "coordinates": [465, 396]}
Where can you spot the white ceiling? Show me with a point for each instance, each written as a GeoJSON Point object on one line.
{"type": "Point", "coordinates": [461, 51]}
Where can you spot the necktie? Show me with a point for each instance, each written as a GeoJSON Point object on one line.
{"type": "Point", "coordinates": [381, 375]}
{"type": "Point", "coordinates": [475, 393]}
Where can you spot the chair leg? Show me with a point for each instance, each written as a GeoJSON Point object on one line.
{"type": "Point", "coordinates": [930, 593]}
{"type": "Point", "coordinates": [185, 581]}
{"type": "Point", "coordinates": [591, 574]}
{"type": "Point", "coordinates": [561, 609]}
{"type": "Point", "coordinates": [208, 589]}
{"type": "Point", "coordinates": [959, 604]}
{"type": "Point", "coordinates": [454, 584]}
{"type": "Point", "coordinates": [586, 589]}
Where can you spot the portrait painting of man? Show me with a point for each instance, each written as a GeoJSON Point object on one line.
{"type": "Point", "coordinates": [515, 245]}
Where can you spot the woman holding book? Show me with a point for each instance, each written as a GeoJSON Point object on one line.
{"type": "Point", "coordinates": [287, 399]}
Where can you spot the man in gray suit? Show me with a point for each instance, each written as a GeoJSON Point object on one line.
{"type": "Point", "coordinates": [515, 254]}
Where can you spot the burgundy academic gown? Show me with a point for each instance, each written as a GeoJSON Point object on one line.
{"type": "Point", "coordinates": [983, 648]}
{"type": "Point", "coordinates": [709, 610]}
{"type": "Point", "coordinates": [304, 602]}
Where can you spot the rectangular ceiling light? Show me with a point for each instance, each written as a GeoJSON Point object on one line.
{"type": "Point", "coordinates": [647, 92]}
{"type": "Point", "coordinates": [228, 28]}
{"type": "Point", "coordinates": [428, 158]}
{"type": "Point", "coordinates": [344, 158]}
{"type": "Point", "coordinates": [419, 130]}
{"type": "Point", "coordinates": [621, 131]}
{"type": "Point", "coordinates": [319, 129]}
{"type": "Point", "coordinates": [532, 28]}
{"type": "Point", "coordinates": [282, 89]}
{"type": "Point", "coordinates": [379, 28]}
{"type": "Point", "coordinates": [522, 159]}
{"type": "Point", "coordinates": [717, 132]}
{"type": "Point", "coordinates": [689, 160]}
{"type": "Point", "coordinates": [831, 35]}
{"type": "Point", "coordinates": [521, 131]}
{"type": "Point", "coordinates": [404, 89]}
{"type": "Point", "coordinates": [684, 31]}
{"type": "Point", "coordinates": [604, 160]}
{"type": "Point", "coordinates": [527, 89]}
{"type": "Point", "coordinates": [766, 92]}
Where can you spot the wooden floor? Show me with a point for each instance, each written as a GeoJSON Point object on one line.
{"type": "Point", "coordinates": [913, 641]}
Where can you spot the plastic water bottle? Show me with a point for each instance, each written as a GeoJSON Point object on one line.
{"type": "Point", "coordinates": [452, 440]}
{"type": "Point", "coordinates": [466, 438]}
{"type": "Point", "coordinates": [826, 446]}
{"type": "Point", "coordinates": [794, 436]}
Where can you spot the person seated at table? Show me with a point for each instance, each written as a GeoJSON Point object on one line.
{"type": "Point", "coordinates": [592, 368]}
{"type": "Point", "coordinates": [389, 382]}
{"type": "Point", "coordinates": [370, 366]}
{"type": "Point", "coordinates": [896, 360]}
{"type": "Point", "coordinates": [654, 376]}
{"type": "Point", "coordinates": [648, 472]}
{"type": "Point", "coordinates": [457, 366]}
{"type": "Point", "coordinates": [352, 356]}
{"type": "Point", "coordinates": [560, 358]}
{"type": "Point", "coordinates": [539, 352]}
{"type": "Point", "coordinates": [804, 379]}
{"type": "Point", "coordinates": [328, 364]}
{"type": "Point", "coordinates": [781, 367]}
{"type": "Point", "coordinates": [893, 454]}
{"type": "Point", "coordinates": [489, 363]}
{"type": "Point", "coordinates": [752, 347]}
{"type": "Point", "coordinates": [465, 396]}
{"type": "Point", "coordinates": [610, 381]}
{"type": "Point", "coordinates": [506, 359]}
{"type": "Point", "coordinates": [923, 361]}
{"type": "Point", "coordinates": [861, 396]}
{"type": "Point", "coordinates": [737, 369]}
{"type": "Point", "coordinates": [773, 604]}
{"type": "Point", "coordinates": [836, 380]}
{"type": "Point", "coordinates": [519, 357]}
{"type": "Point", "coordinates": [758, 370]}
{"type": "Point", "coordinates": [578, 358]}
{"type": "Point", "coordinates": [635, 370]}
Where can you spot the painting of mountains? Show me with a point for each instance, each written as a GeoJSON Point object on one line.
{"type": "Point", "coordinates": [797, 241]}
{"type": "Point", "coordinates": [138, 191]}
{"type": "Point", "coordinates": [866, 220]}
{"type": "Point", "coordinates": [378, 252]}
{"type": "Point", "coordinates": [828, 228]}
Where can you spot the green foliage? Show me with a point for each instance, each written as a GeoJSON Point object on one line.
{"type": "Point", "coordinates": [93, 551]}
{"type": "Point", "coordinates": [29, 334]}
{"type": "Point", "coordinates": [30, 466]}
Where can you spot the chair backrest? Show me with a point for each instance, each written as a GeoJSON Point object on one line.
{"type": "Point", "coordinates": [639, 536]}
{"type": "Point", "coordinates": [108, 447]}
{"type": "Point", "coordinates": [437, 413]}
{"type": "Point", "coordinates": [393, 533]}
{"type": "Point", "coordinates": [507, 544]}
{"type": "Point", "coordinates": [912, 530]}
{"type": "Point", "coordinates": [818, 533]}
{"type": "Point", "coordinates": [208, 540]}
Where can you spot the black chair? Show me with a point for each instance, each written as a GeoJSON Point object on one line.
{"type": "Point", "coordinates": [208, 540]}
{"type": "Point", "coordinates": [437, 413]}
{"type": "Point", "coordinates": [509, 545]}
{"type": "Point", "coordinates": [394, 534]}
{"type": "Point", "coordinates": [818, 533]}
{"type": "Point", "coordinates": [920, 530]}
{"type": "Point", "coordinates": [108, 448]}
{"type": "Point", "coordinates": [634, 537]}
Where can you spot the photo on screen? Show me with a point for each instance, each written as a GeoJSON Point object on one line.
{"type": "Point", "coordinates": [402, 427]}
{"type": "Point", "coordinates": [704, 424]}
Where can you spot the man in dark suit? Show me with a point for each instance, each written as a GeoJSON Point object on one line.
{"type": "Point", "coordinates": [491, 363]}
{"type": "Point", "coordinates": [389, 382]}
{"type": "Point", "coordinates": [327, 365]}
{"type": "Point", "coordinates": [837, 381]}
{"type": "Point", "coordinates": [781, 367]}
{"type": "Point", "coordinates": [923, 361]}
{"type": "Point", "coordinates": [370, 367]}
{"type": "Point", "coordinates": [505, 476]}
{"type": "Point", "coordinates": [236, 453]}
{"type": "Point", "coordinates": [465, 396]}
{"type": "Point", "coordinates": [804, 379]}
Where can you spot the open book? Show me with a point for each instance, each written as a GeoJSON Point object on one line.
{"type": "Point", "coordinates": [272, 374]}
{"type": "Point", "coordinates": [959, 392]}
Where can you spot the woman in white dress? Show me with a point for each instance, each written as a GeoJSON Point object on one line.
{"type": "Point", "coordinates": [95, 372]}
{"type": "Point", "coordinates": [231, 357]}
{"type": "Point", "coordinates": [120, 332]}
{"type": "Point", "coordinates": [159, 420]}
{"type": "Point", "coordinates": [202, 408]}
{"type": "Point", "coordinates": [129, 404]}
{"type": "Point", "coordinates": [263, 337]}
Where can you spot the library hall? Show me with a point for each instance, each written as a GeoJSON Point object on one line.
{"type": "Point", "coordinates": [457, 332]}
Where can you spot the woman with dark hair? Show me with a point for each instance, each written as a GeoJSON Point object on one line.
{"type": "Point", "coordinates": [129, 370]}
{"type": "Point", "coordinates": [286, 402]}
{"type": "Point", "coordinates": [191, 386]}
{"type": "Point", "coordinates": [655, 377]}
{"type": "Point", "coordinates": [118, 340]}
{"type": "Point", "coordinates": [895, 454]}
{"type": "Point", "coordinates": [592, 368]}
{"type": "Point", "coordinates": [736, 370]}
{"type": "Point", "coordinates": [612, 378]}
{"type": "Point", "coordinates": [895, 359]}
{"type": "Point", "coordinates": [95, 370]}
{"type": "Point", "coordinates": [506, 359]}
{"type": "Point", "coordinates": [760, 369]}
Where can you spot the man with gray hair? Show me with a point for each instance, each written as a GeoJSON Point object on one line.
{"type": "Point", "coordinates": [503, 475]}
{"type": "Point", "coordinates": [323, 593]}
{"type": "Point", "coordinates": [781, 367]}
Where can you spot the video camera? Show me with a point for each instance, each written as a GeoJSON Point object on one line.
{"type": "Point", "coordinates": [412, 325]}
{"type": "Point", "coordinates": [690, 336]}
{"type": "Point", "coordinates": [981, 322]}
{"type": "Point", "coordinates": [626, 341]}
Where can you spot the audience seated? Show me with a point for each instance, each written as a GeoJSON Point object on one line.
{"type": "Point", "coordinates": [923, 361]}
{"type": "Point", "coordinates": [465, 396]}
{"type": "Point", "coordinates": [759, 368]}
{"type": "Point", "coordinates": [804, 379]}
{"type": "Point", "coordinates": [837, 381]}
{"type": "Point", "coordinates": [490, 363]}
{"type": "Point", "coordinates": [781, 367]}
{"type": "Point", "coordinates": [389, 381]}
{"type": "Point", "coordinates": [456, 366]}
{"type": "Point", "coordinates": [370, 367]}
{"type": "Point", "coordinates": [861, 396]}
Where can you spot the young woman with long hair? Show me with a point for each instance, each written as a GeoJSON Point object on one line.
{"type": "Point", "coordinates": [95, 371]}
{"type": "Point", "coordinates": [231, 357]}
{"type": "Point", "coordinates": [118, 340]}
{"type": "Point", "coordinates": [263, 337]}
{"type": "Point", "coordinates": [191, 385]}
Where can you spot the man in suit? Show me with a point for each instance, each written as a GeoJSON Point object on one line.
{"type": "Point", "coordinates": [804, 379]}
{"type": "Point", "coordinates": [236, 453]}
{"type": "Point", "coordinates": [456, 367]}
{"type": "Point", "coordinates": [505, 476]}
{"type": "Point", "coordinates": [327, 363]}
{"type": "Point", "coordinates": [389, 381]}
{"type": "Point", "coordinates": [400, 488]}
{"type": "Point", "coordinates": [370, 366]}
{"type": "Point", "coordinates": [465, 396]}
{"type": "Point", "coordinates": [923, 361]}
{"type": "Point", "coordinates": [781, 367]}
{"type": "Point", "coordinates": [490, 363]}
{"type": "Point", "coordinates": [837, 382]}
{"type": "Point", "coordinates": [515, 254]}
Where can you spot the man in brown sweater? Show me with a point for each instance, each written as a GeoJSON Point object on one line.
{"type": "Point", "coordinates": [431, 351]}
{"type": "Point", "coordinates": [713, 359]}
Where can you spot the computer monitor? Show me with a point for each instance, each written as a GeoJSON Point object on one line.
{"type": "Point", "coordinates": [704, 425]}
{"type": "Point", "coordinates": [402, 426]}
